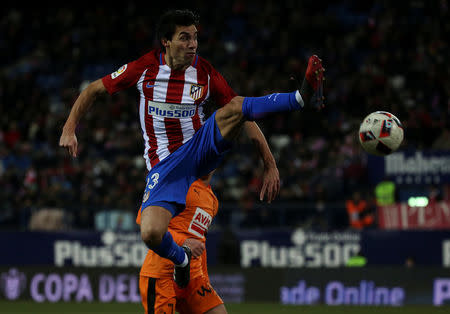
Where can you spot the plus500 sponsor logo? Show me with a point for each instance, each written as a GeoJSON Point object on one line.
{"type": "Point", "coordinates": [114, 253]}
{"type": "Point", "coordinates": [311, 250]}
{"type": "Point", "coordinates": [176, 113]}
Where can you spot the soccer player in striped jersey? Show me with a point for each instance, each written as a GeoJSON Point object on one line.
{"type": "Point", "coordinates": [180, 146]}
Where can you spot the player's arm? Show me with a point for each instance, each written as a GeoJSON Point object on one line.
{"type": "Point", "coordinates": [271, 177]}
{"type": "Point", "coordinates": [82, 104]}
{"type": "Point", "coordinates": [197, 247]}
{"type": "Point", "coordinates": [223, 94]}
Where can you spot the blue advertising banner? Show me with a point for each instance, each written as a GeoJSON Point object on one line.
{"type": "Point", "coordinates": [394, 247]}
{"type": "Point", "coordinates": [258, 248]}
{"type": "Point", "coordinates": [85, 249]}
{"type": "Point", "coordinates": [411, 167]}
{"type": "Point", "coordinates": [299, 248]}
{"type": "Point", "coordinates": [310, 249]}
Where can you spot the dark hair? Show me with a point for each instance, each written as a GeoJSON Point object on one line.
{"type": "Point", "coordinates": [171, 19]}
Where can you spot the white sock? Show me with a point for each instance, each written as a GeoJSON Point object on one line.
{"type": "Point", "coordinates": [185, 262]}
{"type": "Point", "coordinates": [299, 98]}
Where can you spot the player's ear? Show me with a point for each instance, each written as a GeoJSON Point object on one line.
{"type": "Point", "coordinates": [165, 42]}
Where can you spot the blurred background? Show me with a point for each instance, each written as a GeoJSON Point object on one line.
{"type": "Point", "coordinates": [336, 201]}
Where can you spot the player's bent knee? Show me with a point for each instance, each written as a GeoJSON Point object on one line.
{"type": "Point", "coordinates": [233, 108]}
{"type": "Point", "coordinates": [154, 223]}
{"type": "Point", "coordinates": [151, 236]}
{"type": "Point", "coordinates": [229, 118]}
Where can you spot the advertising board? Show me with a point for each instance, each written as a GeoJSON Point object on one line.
{"type": "Point", "coordinates": [388, 286]}
{"type": "Point", "coordinates": [112, 284]}
{"type": "Point", "coordinates": [411, 167]}
{"type": "Point", "coordinates": [257, 248]}
{"type": "Point", "coordinates": [435, 215]}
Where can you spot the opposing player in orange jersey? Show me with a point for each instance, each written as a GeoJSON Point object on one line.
{"type": "Point", "coordinates": [158, 290]}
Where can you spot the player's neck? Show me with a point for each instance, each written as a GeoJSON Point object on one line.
{"type": "Point", "coordinates": [175, 64]}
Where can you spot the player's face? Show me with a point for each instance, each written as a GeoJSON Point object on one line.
{"type": "Point", "coordinates": [183, 45]}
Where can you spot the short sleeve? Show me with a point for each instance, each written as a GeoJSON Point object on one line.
{"type": "Point", "coordinates": [126, 76]}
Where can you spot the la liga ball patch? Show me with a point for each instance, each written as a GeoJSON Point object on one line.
{"type": "Point", "coordinates": [119, 71]}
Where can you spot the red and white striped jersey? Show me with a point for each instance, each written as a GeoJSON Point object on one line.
{"type": "Point", "coordinates": [171, 102]}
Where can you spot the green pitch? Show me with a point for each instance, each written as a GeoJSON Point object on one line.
{"type": "Point", "coordinates": [247, 308]}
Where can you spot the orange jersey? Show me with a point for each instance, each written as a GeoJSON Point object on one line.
{"type": "Point", "coordinates": [192, 222]}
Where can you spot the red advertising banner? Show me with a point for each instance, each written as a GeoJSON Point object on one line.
{"type": "Point", "coordinates": [401, 216]}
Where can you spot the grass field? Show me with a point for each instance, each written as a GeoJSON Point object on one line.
{"type": "Point", "coordinates": [247, 308]}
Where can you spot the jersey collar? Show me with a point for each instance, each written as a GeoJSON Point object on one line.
{"type": "Point", "coordinates": [162, 61]}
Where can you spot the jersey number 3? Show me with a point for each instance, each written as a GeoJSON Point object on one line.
{"type": "Point", "coordinates": [154, 181]}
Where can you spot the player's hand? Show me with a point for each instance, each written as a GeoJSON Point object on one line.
{"type": "Point", "coordinates": [69, 140]}
{"type": "Point", "coordinates": [197, 247]}
{"type": "Point", "coordinates": [271, 184]}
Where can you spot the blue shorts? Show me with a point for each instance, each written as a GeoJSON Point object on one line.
{"type": "Point", "coordinates": [169, 181]}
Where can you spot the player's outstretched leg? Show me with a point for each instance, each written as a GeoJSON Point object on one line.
{"type": "Point", "coordinates": [232, 116]}
{"type": "Point", "coordinates": [182, 274]}
{"type": "Point", "coordinates": [310, 93]}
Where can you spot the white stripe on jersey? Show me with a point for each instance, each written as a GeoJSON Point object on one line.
{"type": "Point", "coordinates": [161, 82]}
{"type": "Point", "coordinates": [142, 108]}
{"type": "Point", "coordinates": [159, 95]}
{"type": "Point", "coordinates": [190, 77]}
{"type": "Point", "coordinates": [207, 94]}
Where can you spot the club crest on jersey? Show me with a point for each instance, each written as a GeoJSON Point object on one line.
{"type": "Point", "coordinates": [196, 91]}
{"type": "Point", "coordinates": [200, 223]}
{"type": "Point", "coordinates": [119, 71]}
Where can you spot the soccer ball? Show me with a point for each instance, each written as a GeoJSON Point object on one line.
{"type": "Point", "coordinates": [380, 133]}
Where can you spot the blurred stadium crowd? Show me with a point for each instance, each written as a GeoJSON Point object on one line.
{"type": "Point", "coordinates": [378, 55]}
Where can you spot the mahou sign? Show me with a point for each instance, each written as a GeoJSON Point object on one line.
{"type": "Point", "coordinates": [401, 216]}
